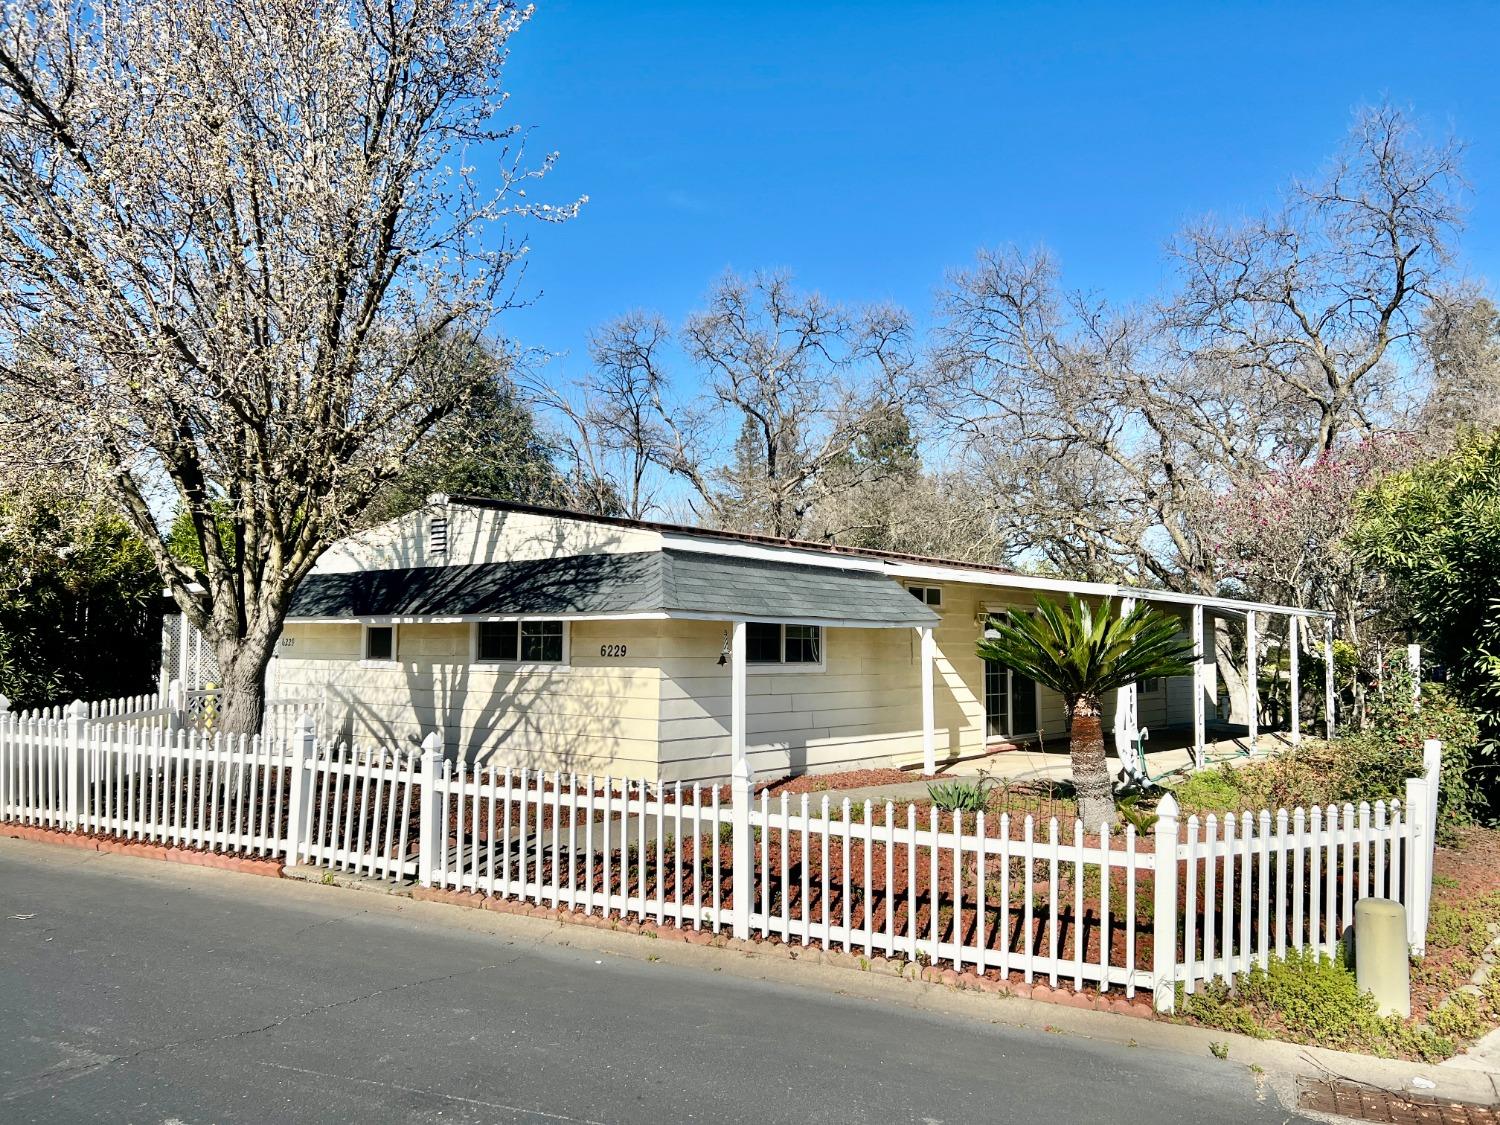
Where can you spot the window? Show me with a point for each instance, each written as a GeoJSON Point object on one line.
{"type": "Point", "coordinates": [927, 595]}
{"type": "Point", "coordinates": [1150, 684]}
{"type": "Point", "coordinates": [768, 644]}
{"type": "Point", "coordinates": [380, 642]}
{"type": "Point", "coordinates": [524, 642]}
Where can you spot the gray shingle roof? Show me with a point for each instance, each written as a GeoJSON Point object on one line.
{"type": "Point", "coordinates": [650, 581]}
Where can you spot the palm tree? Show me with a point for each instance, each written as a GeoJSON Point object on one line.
{"type": "Point", "coordinates": [1082, 652]}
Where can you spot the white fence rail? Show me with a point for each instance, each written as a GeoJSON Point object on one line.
{"type": "Point", "coordinates": [1182, 903]}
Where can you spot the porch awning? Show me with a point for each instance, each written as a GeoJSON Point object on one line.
{"type": "Point", "coordinates": [669, 582]}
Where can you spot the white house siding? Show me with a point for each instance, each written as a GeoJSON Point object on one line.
{"type": "Point", "coordinates": [594, 715]}
{"type": "Point", "coordinates": [476, 535]}
{"type": "Point", "coordinates": [662, 710]}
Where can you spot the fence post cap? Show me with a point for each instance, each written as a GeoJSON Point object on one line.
{"type": "Point", "coordinates": [4, 705]}
{"type": "Point", "coordinates": [1167, 807]}
{"type": "Point", "coordinates": [78, 709]}
{"type": "Point", "coordinates": [432, 744]}
{"type": "Point", "coordinates": [305, 723]}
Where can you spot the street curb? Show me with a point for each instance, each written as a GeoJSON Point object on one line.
{"type": "Point", "coordinates": [246, 865]}
{"type": "Point", "coordinates": [1044, 1009]}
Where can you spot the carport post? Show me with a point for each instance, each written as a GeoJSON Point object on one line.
{"type": "Point", "coordinates": [1294, 641]}
{"type": "Point", "coordinates": [1252, 677]}
{"type": "Point", "coordinates": [929, 710]}
{"type": "Point", "coordinates": [1199, 741]}
{"type": "Point", "coordinates": [1328, 689]}
{"type": "Point", "coordinates": [741, 788]}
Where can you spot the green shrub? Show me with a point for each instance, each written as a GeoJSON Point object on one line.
{"type": "Point", "coordinates": [1310, 998]}
{"type": "Point", "coordinates": [963, 796]}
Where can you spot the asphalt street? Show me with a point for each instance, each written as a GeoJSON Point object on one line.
{"type": "Point", "coordinates": [141, 992]}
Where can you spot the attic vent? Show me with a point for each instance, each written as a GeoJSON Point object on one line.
{"type": "Point", "coordinates": [437, 536]}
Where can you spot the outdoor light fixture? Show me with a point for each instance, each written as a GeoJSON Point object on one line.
{"type": "Point", "coordinates": [724, 652]}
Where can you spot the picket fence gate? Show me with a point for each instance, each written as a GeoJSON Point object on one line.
{"type": "Point", "coordinates": [1182, 903]}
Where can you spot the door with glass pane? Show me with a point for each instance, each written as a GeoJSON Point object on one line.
{"type": "Point", "coordinates": [1009, 702]}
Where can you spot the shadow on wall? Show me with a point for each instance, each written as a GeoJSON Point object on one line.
{"type": "Point", "coordinates": [557, 717]}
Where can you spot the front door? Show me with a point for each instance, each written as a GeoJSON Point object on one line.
{"type": "Point", "coordinates": [1009, 702]}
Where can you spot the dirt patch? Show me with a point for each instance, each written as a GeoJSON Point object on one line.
{"type": "Point", "coordinates": [831, 783]}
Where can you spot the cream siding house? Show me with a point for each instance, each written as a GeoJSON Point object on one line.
{"type": "Point", "coordinates": [555, 640]}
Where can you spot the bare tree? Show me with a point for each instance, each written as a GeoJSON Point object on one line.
{"type": "Point", "coordinates": [1322, 299]}
{"type": "Point", "coordinates": [788, 387]}
{"type": "Point", "coordinates": [1461, 339]}
{"type": "Point", "coordinates": [799, 381]}
{"type": "Point", "coordinates": [242, 253]}
{"type": "Point", "coordinates": [612, 426]}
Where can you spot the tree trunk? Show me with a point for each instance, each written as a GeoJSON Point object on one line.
{"type": "Point", "coordinates": [1229, 655]}
{"type": "Point", "coordinates": [242, 672]}
{"type": "Point", "coordinates": [1096, 802]}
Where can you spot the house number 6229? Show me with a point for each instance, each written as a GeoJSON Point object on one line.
{"type": "Point", "coordinates": [611, 650]}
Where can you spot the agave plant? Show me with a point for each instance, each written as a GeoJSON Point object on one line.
{"type": "Point", "coordinates": [1082, 651]}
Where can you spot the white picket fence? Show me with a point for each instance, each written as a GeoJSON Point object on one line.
{"type": "Point", "coordinates": [1183, 903]}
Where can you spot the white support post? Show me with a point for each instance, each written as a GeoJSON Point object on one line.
{"type": "Point", "coordinates": [1328, 692]}
{"type": "Point", "coordinates": [1164, 917]}
{"type": "Point", "coordinates": [741, 787]}
{"type": "Point", "coordinates": [1252, 675]}
{"type": "Point", "coordinates": [1414, 666]}
{"type": "Point", "coordinates": [176, 707]}
{"type": "Point", "coordinates": [184, 639]}
{"type": "Point", "coordinates": [1127, 713]}
{"type": "Point", "coordinates": [299, 757]}
{"type": "Point", "coordinates": [77, 741]}
{"type": "Point", "coordinates": [431, 822]}
{"type": "Point", "coordinates": [1199, 733]}
{"type": "Point", "coordinates": [1294, 641]}
{"type": "Point", "coordinates": [1419, 831]}
{"type": "Point", "coordinates": [929, 707]}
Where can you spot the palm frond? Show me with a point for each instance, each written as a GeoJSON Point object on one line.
{"type": "Point", "coordinates": [1081, 650]}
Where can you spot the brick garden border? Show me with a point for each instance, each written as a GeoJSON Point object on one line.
{"type": "Point", "coordinates": [249, 865]}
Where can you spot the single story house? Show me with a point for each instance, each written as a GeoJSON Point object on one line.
{"type": "Point", "coordinates": [593, 644]}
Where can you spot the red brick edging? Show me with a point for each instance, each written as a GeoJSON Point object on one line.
{"type": "Point", "coordinates": [968, 979]}
{"type": "Point", "coordinates": [249, 865]}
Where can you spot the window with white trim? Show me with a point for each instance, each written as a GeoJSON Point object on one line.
{"type": "Point", "coordinates": [380, 643]}
{"type": "Point", "coordinates": [769, 644]}
{"type": "Point", "coordinates": [927, 595]}
{"type": "Point", "coordinates": [520, 642]}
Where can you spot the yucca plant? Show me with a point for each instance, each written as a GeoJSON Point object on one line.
{"type": "Point", "coordinates": [1081, 652]}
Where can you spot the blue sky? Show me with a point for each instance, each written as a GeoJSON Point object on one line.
{"type": "Point", "coordinates": [870, 147]}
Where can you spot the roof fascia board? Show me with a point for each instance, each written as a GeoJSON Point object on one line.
{"type": "Point", "coordinates": [759, 553]}
{"type": "Point", "coordinates": [469, 618]}
{"type": "Point", "coordinates": [1229, 604]}
{"type": "Point", "coordinates": [772, 619]}
{"type": "Point", "coordinates": [993, 578]}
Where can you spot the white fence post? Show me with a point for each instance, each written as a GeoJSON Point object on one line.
{"type": "Point", "coordinates": [1164, 922]}
{"type": "Point", "coordinates": [78, 723]}
{"type": "Point", "coordinates": [1419, 833]}
{"type": "Point", "coordinates": [176, 707]}
{"type": "Point", "coordinates": [430, 811]}
{"type": "Point", "coordinates": [1414, 666]}
{"type": "Point", "coordinates": [300, 754]}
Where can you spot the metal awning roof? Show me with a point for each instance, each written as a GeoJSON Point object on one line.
{"type": "Point", "coordinates": [666, 583]}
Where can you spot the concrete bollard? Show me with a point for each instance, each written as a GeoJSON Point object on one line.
{"type": "Point", "coordinates": [1381, 963]}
